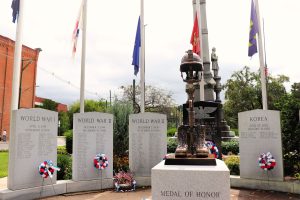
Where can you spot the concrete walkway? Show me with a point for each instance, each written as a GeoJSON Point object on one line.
{"type": "Point", "coordinates": [145, 194]}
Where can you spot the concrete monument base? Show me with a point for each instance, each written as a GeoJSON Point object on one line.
{"type": "Point", "coordinates": [61, 187]}
{"type": "Point", "coordinates": [171, 182]}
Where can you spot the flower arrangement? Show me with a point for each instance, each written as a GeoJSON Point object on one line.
{"type": "Point", "coordinates": [213, 149]}
{"type": "Point", "coordinates": [266, 161]}
{"type": "Point", "coordinates": [124, 180]}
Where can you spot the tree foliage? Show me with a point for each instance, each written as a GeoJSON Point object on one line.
{"type": "Point", "coordinates": [243, 92]}
{"type": "Point", "coordinates": [64, 122]}
{"type": "Point", "coordinates": [89, 106]}
{"type": "Point", "coordinates": [121, 112]}
{"type": "Point", "coordinates": [48, 104]}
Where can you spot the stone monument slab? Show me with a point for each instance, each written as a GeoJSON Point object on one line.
{"type": "Point", "coordinates": [32, 141]}
{"type": "Point", "coordinates": [92, 134]}
{"type": "Point", "coordinates": [177, 182]}
{"type": "Point", "coordinates": [147, 142]}
{"type": "Point", "coordinates": [260, 132]}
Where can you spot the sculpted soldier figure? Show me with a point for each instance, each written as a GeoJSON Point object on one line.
{"type": "Point", "coordinates": [191, 136]}
{"type": "Point", "coordinates": [214, 62]}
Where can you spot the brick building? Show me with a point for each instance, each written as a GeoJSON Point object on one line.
{"type": "Point", "coordinates": [27, 77]}
{"type": "Point", "coordinates": [60, 107]}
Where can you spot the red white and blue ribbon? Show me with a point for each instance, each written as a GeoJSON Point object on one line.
{"type": "Point", "coordinates": [266, 161]}
{"type": "Point", "coordinates": [100, 161]}
{"type": "Point", "coordinates": [47, 168]}
{"type": "Point", "coordinates": [213, 149]}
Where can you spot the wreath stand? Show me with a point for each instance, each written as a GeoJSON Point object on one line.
{"type": "Point", "coordinates": [100, 179]}
{"type": "Point", "coordinates": [43, 182]}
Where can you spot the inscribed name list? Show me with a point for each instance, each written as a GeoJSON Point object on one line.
{"type": "Point", "coordinates": [92, 135]}
{"type": "Point", "coordinates": [147, 142]}
{"type": "Point", "coordinates": [33, 140]}
{"type": "Point", "coordinates": [260, 132]}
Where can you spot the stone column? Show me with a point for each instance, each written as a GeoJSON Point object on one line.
{"type": "Point", "coordinates": [209, 81]}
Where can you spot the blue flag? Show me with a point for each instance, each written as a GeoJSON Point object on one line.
{"type": "Point", "coordinates": [253, 32]}
{"type": "Point", "coordinates": [15, 5]}
{"type": "Point", "coordinates": [136, 50]}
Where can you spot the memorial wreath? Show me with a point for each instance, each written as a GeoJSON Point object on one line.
{"type": "Point", "coordinates": [266, 161]}
{"type": "Point", "coordinates": [100, 161]}
{"type": "Point", "coordinates": [47, 168]}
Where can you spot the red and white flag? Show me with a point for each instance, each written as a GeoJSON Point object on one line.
{"type": "Point", "coordinates": [78, 26]}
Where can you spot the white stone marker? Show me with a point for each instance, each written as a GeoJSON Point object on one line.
{"type": "Point", "coordinates": [147, 142]}
{"type": "Point", "coordinates": [32, 141]}
{"type": "Point", "coordinates": [260, 132]}
{"type": "Point", "coordinates": [92, 134]}
{"type": "Point", "coordinates": [191, 182]}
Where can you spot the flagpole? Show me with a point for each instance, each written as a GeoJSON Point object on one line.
{"type": "Point", "coordinates": [202, 83]}
{"type": "Point", "coordinates": [82, 75]}
{"type": "Point", "coordinates": [142, 60]}
{"type": "Point", "coordinates": [17, 60]}
{"type": "Point", "coordinates": [261, 61]}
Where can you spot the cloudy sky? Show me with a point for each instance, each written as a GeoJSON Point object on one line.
{"type": "Point", "coordinates": [111, 27]}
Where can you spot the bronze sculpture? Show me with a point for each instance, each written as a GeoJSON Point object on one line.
{"type": "Point", "coordinates": [191, 136]}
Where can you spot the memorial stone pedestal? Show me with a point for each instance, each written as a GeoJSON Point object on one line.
{"type": "Point", "coordinates": [260, 132]}
{"type": "Point", "coordinates": [147, 144]}
{"type": "Point", "coordinates": [172, 182]}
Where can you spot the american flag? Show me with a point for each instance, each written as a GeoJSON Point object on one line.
{"type": "Point", "coordinates": [78, 26]}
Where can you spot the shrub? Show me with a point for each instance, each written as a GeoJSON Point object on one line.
{"type": "Point", "coordinates": [121, 112]}
{"type": "Point", "coordinates": [172, 144]}
{"type": "Point", "coordinates": [69, 140]}
{"type": "Point", "coordinates": [291, 163]}
{"type": "Point", "coordinates": [171, 132]}
{"type": "Point", "coordinates": [62, 150]}
{"type": "Point", "coordinates": [230, 147]}
{"type": "Point", "coordinates": [121, 163]}
{"type": "Point", "coordinates": [64, 162]}
{"type": "Point", "coordinates": [233, 163]}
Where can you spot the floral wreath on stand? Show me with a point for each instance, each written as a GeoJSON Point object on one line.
{"type": "Point", "coordinates": [47, 168]}
{"type": "Point", "coordinates": [100, 161]}
{"type": "Point", "coordinates": [266, 161]}
{"type": "Point", "coordinates": [213, 149]}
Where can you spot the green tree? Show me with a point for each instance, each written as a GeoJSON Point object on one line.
{"type": "Point", "coordinates": [289, 107]}
{"type": "Point", "coordinates": [49, 105]}
{"type": "Point", "coordinates": [121, 112]}
{"type": "Point", "coordinates": [64, 122]}
{"type": "Point", "coordinates": [89, 106]}
{"type": "Point", "coordinates": [296, 90]}
{"type": "Point", "coordinates": [243, 92]}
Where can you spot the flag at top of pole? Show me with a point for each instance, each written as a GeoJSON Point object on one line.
{"type": "Point", "coordinates": [78, 26]}
{"type": "Point", "coordinates": [255, 40]}
{"type": "Point", "coordinates": [15, 5]}
{"type": "Point", "coordinates": [195, 39]}
{"type": "Point", "coordinates": [136, 50]}
{"type": "Point", "coordinates": [253, 31]}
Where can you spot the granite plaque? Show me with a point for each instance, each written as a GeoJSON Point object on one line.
{"type": "Point", "coordinates": [92, 134]}
{"type": "Point", "coordinates": [178, 182]}
{"type": "Point", "coordinates": [33, 140]}
{"type": "Point", "coordinates": [147, 142]}
{"type": "Point", "coordinates": [260, 132]}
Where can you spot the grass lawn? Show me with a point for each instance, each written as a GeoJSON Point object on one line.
{"type": "Point", "coordinates": [3, 164]}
